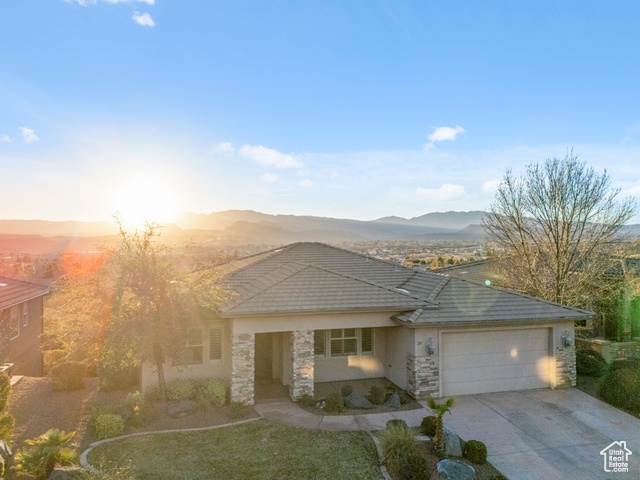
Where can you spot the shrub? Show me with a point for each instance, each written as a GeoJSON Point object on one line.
{"type": "Point", "coordinates": [590, 363]}
{"type": "Point", "coordinates": [5, 389]}
{"type": "Point", "coordinates": [346, 390]}
{"type": "Point", "coordinates": [181, 389]}
{"type": "Point", "coordinates": [620, 386]}
{"type": "Point", "coordinates": [135, 401]}
{"type": "Point", "coordinates": [44, 453]}
{"type": "Point", "coordinates": [68, 376]}
{"type": "Point", "coordinates": [498, 476]}
{"type": "Point", "coordinates": [334, 403]}
{"type": "Point", "coordinates": [397, 422]}
{"type": "Point", "coordinates": [414, 467]}
{"type": "Point", "coordinates": [307, 401]}
{"type": "Point", "coordinates": [108, 425]}
{"type": "Point", "coordinates": [51, 358]}
{"type": "Point", "coordinates": [428, 426]}
{"type": "Point", "coordinates": [118, 368]}
{"type": "Point", "coordinates": [475, 451]}
{"type": "Point", "coordinates": [398, 443]}
{"type": "Point", "coordinates": [6, 427]}
{"type": "Point", "coordinates": [404, 397]}
{"type": "Point", "coordinates": [211, 392]}
{"type": "Point", "coordinates": [236, 409]}
{"type": "Point", "coordinates": [152, 394]}
{"type": "Point", "coordinates": [376, 395]}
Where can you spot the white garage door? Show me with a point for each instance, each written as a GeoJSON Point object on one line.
{"type": "Point", "coordinates": [494, 361]}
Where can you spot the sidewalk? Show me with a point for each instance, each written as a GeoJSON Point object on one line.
{"type": "Point", "coordinates": [289, 413]}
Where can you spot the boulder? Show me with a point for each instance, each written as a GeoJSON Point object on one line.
{"type": "Point", "coordinates": [456, 470]}
{"type": "Point", "coordinates": [181, 409]}
{"type": "Point", "coordinates": [358, 401]}
{"type": "Point", "coordinates": [5, 450]}
{"type": "Point", "coordinates": [452, 443]}
{"type": "Point", "coordinates": [393, 401]}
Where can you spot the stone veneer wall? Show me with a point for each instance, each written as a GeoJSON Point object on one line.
{"type": "Point", "coordinates": [243, 351]}
{"type": "Point", "coordinates": [302, 364]}
{"type": "Point", "coordinates": [423, 376]}
{"type": "Point", "coordinates": [565, 367]}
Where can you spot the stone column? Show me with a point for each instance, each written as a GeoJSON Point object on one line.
{"type": "Point", "coordinates": [423, 376]}
{"type": "Point", "coordinates": [565, 367]}
{"type": "Point", "coordinates": [302, 364]}
{"type": "Point", "coordinates": [243, 352]}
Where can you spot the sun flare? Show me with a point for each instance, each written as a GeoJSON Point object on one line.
{"type": "Point", "coordinates": [142, 199]}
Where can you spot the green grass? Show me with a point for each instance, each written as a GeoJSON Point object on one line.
{"type": "Point", "coordinates": [254, 450]}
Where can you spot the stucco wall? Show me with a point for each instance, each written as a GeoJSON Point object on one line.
{"type": "Point", "coordinates": [399, 342]}
{"type": "Point", "coordinates": [25, 350]}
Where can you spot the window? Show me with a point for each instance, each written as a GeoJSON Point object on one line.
{"type": "Point", "coordinates": [367, 341]}
{"type": "Point", "coordinates": [319, 341]}
{"type": "Point", "coordinates": [215, 344]}
{"type": "Point", "coordinates": [25, 314]}
{"type": "Point", "coordinates": [344, 342]}
{"type": "Point", "coordinates": [192, 351]}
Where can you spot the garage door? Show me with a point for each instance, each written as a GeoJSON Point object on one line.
{"type": "Point", "coordinates": [494, 361]}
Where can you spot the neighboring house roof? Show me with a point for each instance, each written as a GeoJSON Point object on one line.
{"type": "Point", "coordinates": [314, 277]}
{"type": "Point", "coordinates": [14, 292]}
{"type": "Point", "coordinates": [477, 272]}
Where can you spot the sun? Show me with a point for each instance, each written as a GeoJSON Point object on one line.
{"type": "Point", "coordinates": [144, 199]}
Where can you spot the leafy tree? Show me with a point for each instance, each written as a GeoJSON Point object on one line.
{"type": "Point", "coordinates": [555, 226]}
{"type": "Point", "coordinates": [44, 453]}
{"type": "Point", "coordinates": [440, 409]}
{"type": "Point", "coordinates": [155, 301]}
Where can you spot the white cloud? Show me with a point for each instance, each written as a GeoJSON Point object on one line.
{"type": "Point", "coordinates": [269, 177]}
{"type": "Point", "coordinates": [269, 157]}
{"type": "Point", "coordinates": [447, 192]}
{"type": "Point", "coordinates": [143, 19]}
{"type": "Point", "coordinates": [334, 175]}
{"type": "Point", "coordinates": [6, 138]}
{"type": "Point", "coordinates": [441, 134]}
{"type": "Point", "coordinates": [28, 136]}
{"type": "Point", "coordinates": [306, 183]}
{"type": "Point", "coordinates": [490, 187]}
{"type": "Point", "coordinates": [222, 148]}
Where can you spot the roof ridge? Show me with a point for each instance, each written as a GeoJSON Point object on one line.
{"type": "Point", "coordinates": [273, 252]}
{"type": "Point", "coordinates": [436, 291]}
{"type": "Point", "coordinates": [366, 257]}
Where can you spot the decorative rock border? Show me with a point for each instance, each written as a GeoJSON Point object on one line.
{"type": "Point", "coordinates": [85, 463]}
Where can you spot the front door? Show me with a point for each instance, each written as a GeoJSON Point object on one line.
{"type": "Point", "coordinates": [264, 358]}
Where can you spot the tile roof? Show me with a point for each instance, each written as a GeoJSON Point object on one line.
{"type": "Point", "coordinates": [14, 292]}
{"type": "Point", "coordinates": [314, 277]}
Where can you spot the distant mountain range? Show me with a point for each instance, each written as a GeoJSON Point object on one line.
{"type": "Point", "coordinates": [248, 226]}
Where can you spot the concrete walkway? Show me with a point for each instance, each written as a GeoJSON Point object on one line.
{"type": "Point", "coordinates": [547, 434]}
{"type": "Point", "coordinates": [291, 414]}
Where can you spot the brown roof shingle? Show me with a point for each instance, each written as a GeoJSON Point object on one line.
{"type": "Point", "coordinates": [14, 292]}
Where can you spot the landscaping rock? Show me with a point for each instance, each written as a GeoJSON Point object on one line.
{"type": "Point", "coordinates": [393, 401]}
{"type": "Point", "coordinates": [181, 409]}
{"type": "Point", "coordinates": [5, 450]}
{"type": "Point", "coordinates": [456, 470]}
{"type": "Point", "coordinates": [452, 443]}
{"type": "Point", "coordinates": [320, 404]}
{"type": "Point", "coordinates": [358, 401]}
{"type": "Point", "coordinates": [125, 413]}
{"type": "Point", "coordinates": [68, 473]}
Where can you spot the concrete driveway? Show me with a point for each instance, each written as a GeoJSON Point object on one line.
{"type": "Point", "coordinates": [547, 434]}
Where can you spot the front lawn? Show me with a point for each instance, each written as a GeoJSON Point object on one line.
{"type": "Point", "coordinates": [259, 449]}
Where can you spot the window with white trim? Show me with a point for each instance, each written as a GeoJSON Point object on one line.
{"type": "Point", "coordinates": [344, 341]}
{"type": "Point", "coordinates": [319, 343]}
{"type": "Point", "coordinates": [192, 351]}
{"type": "Point", "coordinates": [366, 336]}
{"type": "Point", "coordinates": [215, 343]}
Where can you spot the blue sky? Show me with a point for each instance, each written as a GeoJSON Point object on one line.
{"type": "Point", "coordinates": [355, 109]}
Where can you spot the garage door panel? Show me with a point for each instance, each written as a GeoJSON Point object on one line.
{"type": "Point", "coordinates": [494, 361]}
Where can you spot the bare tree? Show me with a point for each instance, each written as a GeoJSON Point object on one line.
{"type": "Point", "coordinates": [554, 227]}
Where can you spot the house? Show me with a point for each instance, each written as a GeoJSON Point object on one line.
{"type": "Point", "coordinates": [309, 313]}
{"type": "Point", "coordinates": [21, 306]}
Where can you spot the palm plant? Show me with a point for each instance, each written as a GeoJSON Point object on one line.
{"type": "Point", "coordinates": [440, 409]}
{"type": "Point", "coordinates": [44, 453]}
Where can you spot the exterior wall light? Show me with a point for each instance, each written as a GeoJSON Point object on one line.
{"type": "Point", "coordinates": [430, 348]}
{"type": "Point", "coordinates": [567, 341]}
